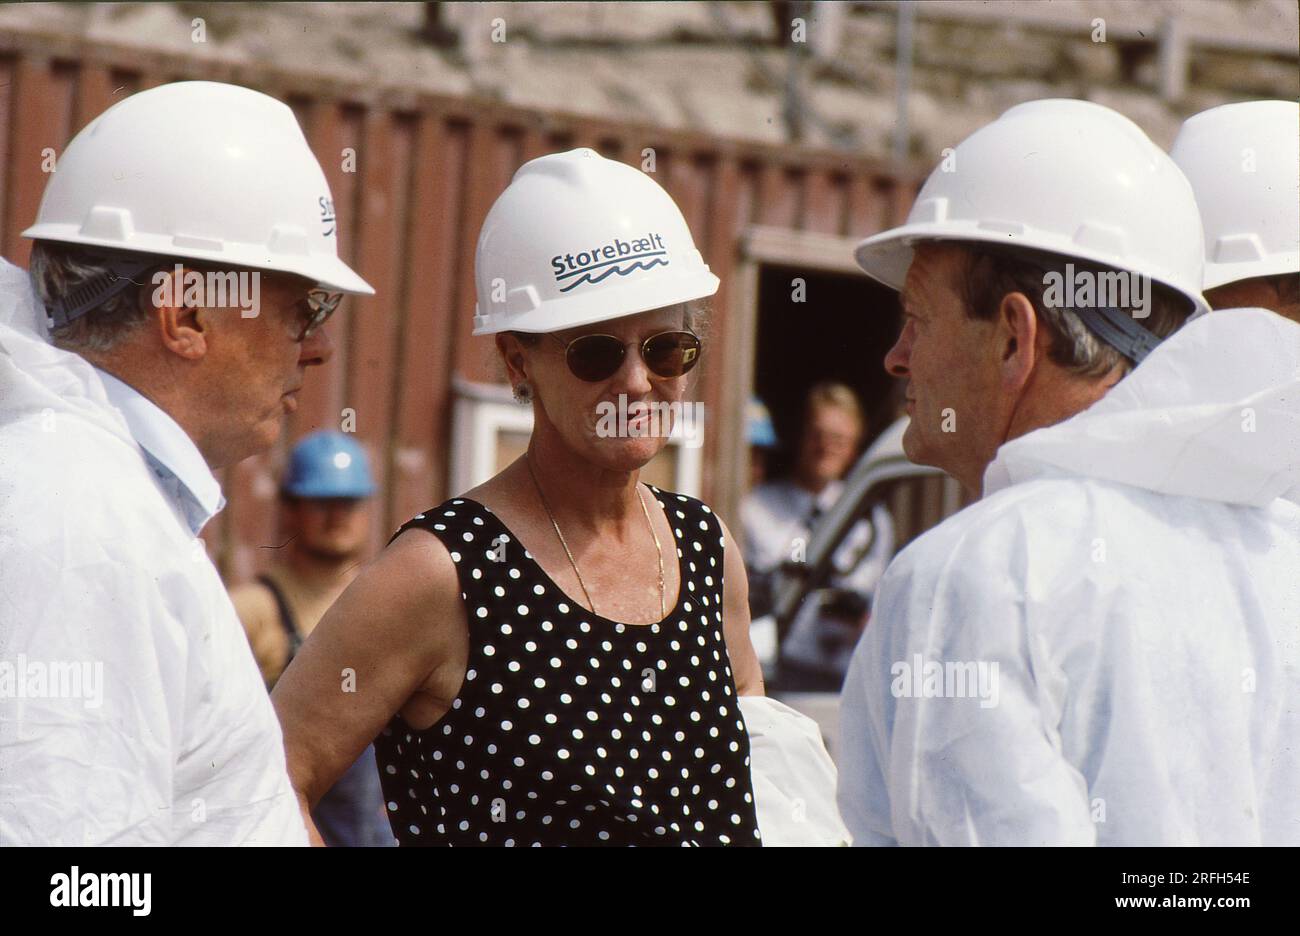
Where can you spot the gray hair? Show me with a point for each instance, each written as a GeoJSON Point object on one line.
{"type": "Point", "coordinates": [58, 269]}
{"type": "Point", "coordinates": [992, 272]}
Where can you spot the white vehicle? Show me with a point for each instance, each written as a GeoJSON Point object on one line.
{"type": "Point", "coordinates": [800, 589]}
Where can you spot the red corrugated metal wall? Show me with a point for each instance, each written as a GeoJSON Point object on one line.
{"type": "Point", "coordinates": [427, 170]}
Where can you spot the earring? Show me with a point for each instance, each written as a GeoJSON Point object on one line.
{"type": "Point", "coordinates": [523, 392]}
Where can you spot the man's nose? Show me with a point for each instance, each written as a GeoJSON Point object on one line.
{"type": "Point", "coordinates": [897, 359]}
{"type": "Point", "coordinates": [317, 348]}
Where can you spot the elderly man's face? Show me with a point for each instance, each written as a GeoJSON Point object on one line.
{"type": "Point", "coordinates": [257, 366]}
{"type": "Point", "coordinates": [950, 363]}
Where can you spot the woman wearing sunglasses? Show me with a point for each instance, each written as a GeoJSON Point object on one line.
{"type": "Point", "coordinates": [555, 656]}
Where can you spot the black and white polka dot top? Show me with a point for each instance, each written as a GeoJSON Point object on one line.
{"type": "Point", "coordinates": [570, 728]}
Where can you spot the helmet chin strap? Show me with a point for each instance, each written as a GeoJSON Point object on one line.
{"type": "Point", "coordinates": [124, 269]}
{"type": "Point", "coordinates": [1119, 330]}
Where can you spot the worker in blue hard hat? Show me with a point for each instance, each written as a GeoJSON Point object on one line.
{"type": "Point", "coordinates": [761, 436]}
{"type": "Point", "coordinates": [325, 517]}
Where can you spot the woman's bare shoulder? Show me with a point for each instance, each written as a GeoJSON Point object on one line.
{"type": "Point", "coordinates": [416, 562]}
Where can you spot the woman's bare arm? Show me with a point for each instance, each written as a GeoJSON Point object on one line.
{"type": "Point", "coordinates": [397, 628]}
{"type": "Point", "coordinates": [745, 668]}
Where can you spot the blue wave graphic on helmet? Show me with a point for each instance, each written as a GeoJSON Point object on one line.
{"type": "Point", "coordinates": [638, 265]}
{"type": "Point", "coordinates": [614, 256]}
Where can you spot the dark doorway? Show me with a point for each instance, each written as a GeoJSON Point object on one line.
{"type": "Point", "coordinates": [840, 331]}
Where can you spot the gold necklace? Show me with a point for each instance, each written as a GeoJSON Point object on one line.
{"type": "Point", "coordinates": [663, 611]}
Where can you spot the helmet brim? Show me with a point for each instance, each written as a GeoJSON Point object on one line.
{"type": "Point", "coordinates": [328, 271]}
{"type": "Point", "coordinates": [1221, 274]}
{"type": "Point", "coordinates": [886, 257]}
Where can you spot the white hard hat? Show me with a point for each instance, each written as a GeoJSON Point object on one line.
{"type": "Point", "coordinates": [1068, 177]}
{"type": "Point", "coordinates": [576, 238]}
{"type": "Point", "coordinates": [1243, 160]}
{"type": "Point", "coordinates": [198, 170]}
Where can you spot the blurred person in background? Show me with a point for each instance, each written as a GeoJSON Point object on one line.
{"type": "Point", "coordinates": [1243, 161]}
{"type": "Point", "coordinates": [152, 377]}
{"type": "Point", "coordinates": [325, 503]}
{"type": "Point", "coordinates": [761, 436]}
{"type": "Point", "coordinates": [778, 519]}
{"type": "Point", "coordinates": [760, 433]}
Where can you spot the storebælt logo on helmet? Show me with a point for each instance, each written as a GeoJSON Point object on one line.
{"type": "Point", "coordinates": [327, 215]}
{"type": "Point", "coordinates": [616, 256]}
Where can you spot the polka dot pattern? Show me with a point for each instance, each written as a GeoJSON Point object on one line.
{"type": "Point", "coordinates": [570, 728]}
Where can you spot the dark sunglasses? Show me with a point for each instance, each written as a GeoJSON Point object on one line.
{"type": "Point", "coordinates": [314, 309]}
{"type": "Point", "coordinates": [594, 358]}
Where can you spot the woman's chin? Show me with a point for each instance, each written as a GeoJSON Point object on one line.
{"type": "Point", "coordinates": [627, 454]}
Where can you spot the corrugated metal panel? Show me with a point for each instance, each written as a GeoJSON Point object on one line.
{"type": "Point", "coordinates": [427, 170]}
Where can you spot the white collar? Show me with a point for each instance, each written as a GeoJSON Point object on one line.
{"type": "Point", "coordinates": [172, 454]}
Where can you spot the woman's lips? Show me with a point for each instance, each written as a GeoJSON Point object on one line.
{"type": "Point", "coordinates": [638, 416]}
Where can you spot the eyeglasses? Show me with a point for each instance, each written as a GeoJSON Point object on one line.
{"type": "Point", "coordinates": [314, 309]}
{"type": "Point", "coordinates": [594, 358]}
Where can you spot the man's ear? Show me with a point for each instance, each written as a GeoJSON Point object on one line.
{"type": "Point", "coordinates": [1018, 340]}
{"type": "Point", "coordinates": [183, 331]}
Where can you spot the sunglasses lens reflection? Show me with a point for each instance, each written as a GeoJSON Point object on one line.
{"type": "Point", "coordinates": [671, 354]}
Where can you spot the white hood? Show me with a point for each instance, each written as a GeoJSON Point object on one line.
{"type": "Point", "coordinates": [1213, 413]}
{"type": "Point", "coordinates": [37, 378]}
{"type": "Point", "coordinates": [19, 306]}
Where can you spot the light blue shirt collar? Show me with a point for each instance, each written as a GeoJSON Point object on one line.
{"type": "Point", "coordinates": [172, 455]}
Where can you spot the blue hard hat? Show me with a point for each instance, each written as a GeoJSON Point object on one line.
{"type": "Point", "coordinates": [758, 424]}
{"type": "Point", "coordinates": [328, 464]}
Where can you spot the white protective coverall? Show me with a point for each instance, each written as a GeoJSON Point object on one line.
{"type": "Point", "coordinates": [1134, 574]}
{"type": "Point", "coordinates": [793, 776]}
{"type": "Point", "coordinates": [131, 709]}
